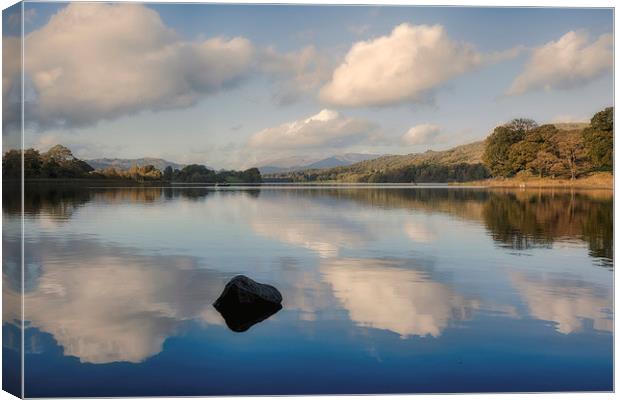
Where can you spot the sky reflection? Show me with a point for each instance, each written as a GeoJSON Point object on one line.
{"type": "Point", "coordinates": [566, 301]}
{"type": "Point", "coordinates": [385, 294]}
{"type": "Point", "coordinates": [105, 304]}
{"type": "Point", "coordinates": [419, 267]}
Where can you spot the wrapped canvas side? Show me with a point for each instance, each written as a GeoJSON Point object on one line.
{"type": "Point", "coordinates": [12, 201]}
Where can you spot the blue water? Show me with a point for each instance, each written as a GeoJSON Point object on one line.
{"type": "Point", "coordinates": [386, 290]}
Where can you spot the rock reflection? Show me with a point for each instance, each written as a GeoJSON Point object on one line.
{"type": "Point", "coordinates": [245, 302]}
{"type": "Point", "coordinates": [565, 301]}
{"type": "Point", "coordinates": [105, 303]}
{"type": "Point", "coordinates": [115, 304]}
{"type": "Point", "coordinates": [389, 295]}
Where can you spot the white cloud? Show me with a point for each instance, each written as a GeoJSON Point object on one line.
{"type": "Point", "coordinates": [297, 72]}
{"type": "Point", "coordinates": [11, 92]}
{"type": "Point", "coordinates": [325, 128]}
{"type": "Point", "coordinates": [421, 134]}
{"type": "Point", "coordinates": [569, 62]}
{"type": "Point", "coordinates": [400, 67]}
{"type": "Point", "coordinates": [94, 61]}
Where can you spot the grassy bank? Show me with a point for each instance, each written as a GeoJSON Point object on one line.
{"type": "Point", "coordinates": [600, 180]}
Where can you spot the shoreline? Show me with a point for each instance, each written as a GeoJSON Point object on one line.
{"type": "Point", "coordinates": [600, 180]}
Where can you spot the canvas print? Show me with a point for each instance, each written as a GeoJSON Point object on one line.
{"type": "Point", "coordinates": [232, 199]}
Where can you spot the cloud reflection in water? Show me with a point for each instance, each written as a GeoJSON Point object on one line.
{"type": "Point", "coordinates": [564, 301]}
{"type": "Point", "coordinates": [385, 294]}
{"type": "Point", "coordinates": [115, 304]}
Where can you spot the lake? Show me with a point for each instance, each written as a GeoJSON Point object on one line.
{"type": "Point", "coordinates": [386, 290]}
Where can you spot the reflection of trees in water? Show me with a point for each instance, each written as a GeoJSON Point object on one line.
{"type": "Point", "coordinates": [598, 231]}
{"type": "Point", "coordinates": [61, 200]}
{"type": "Point", "coordinates": [517, 219]}
{"type": "Point", "coordinates": [142, 195]}
{"type": "Point", "coordinates": [525, 220]}
{"type": "Point", "coordinates": [463, 203]}
{"type": "Point", "coordinates": [197, 193]}
{"type": "Point", "coordinates": [56, 200]}
{"type": "Point", "coordinates": [516, 224]}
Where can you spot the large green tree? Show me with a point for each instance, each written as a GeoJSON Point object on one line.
{"type": "Point", "coordinates": [598, 140]}
{"type": "Point", "coordinates": [497, 148]}
{"type": "Point", "coordinates": [522, 155]}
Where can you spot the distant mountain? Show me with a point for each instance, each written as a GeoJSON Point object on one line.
{"type": "Point", "coordinates": [297, 163]}
{"type": "Point", "coordinates": [125, 163]}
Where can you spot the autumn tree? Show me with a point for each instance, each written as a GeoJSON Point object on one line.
{"type": "Point", "coordinates": [57, 162]}
{"type": "Point", "coordinates": [543, 164]}
{"type": "Point", "coordinates": [571, 151]}
{"type": "Point", "coordinates": [522, 125]}
{"type": "Point", "coordinates": [599, 140]}
{"type": "Point", "coordinates": [497, 146]}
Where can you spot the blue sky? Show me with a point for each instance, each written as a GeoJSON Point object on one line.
{"type": "Point", "coordinates": [237, 85]}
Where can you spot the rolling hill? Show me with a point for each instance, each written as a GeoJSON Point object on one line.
{"type": "Point", "coordinates": [448, 164]}
{"type": "Point", "coordinates": [460, 163]}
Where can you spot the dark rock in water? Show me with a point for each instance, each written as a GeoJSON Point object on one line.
{"type": "Point", "coordinates": [245, 302]}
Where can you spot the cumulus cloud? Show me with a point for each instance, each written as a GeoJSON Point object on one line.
{"type": "Point", "coordinates": [400, 67]}
{"type": "Point", "coordinates": [297, 72]}
{"type": "Point", "coordinates": [568, 62]}
{"type": "Point", "coordinates": [421, 134]}
{"type": "Point", "coordinates": [11, 93]}
{"type": "Point", "coordinates": [93, 61]}
{"type": "Point", "coordinates": [328, 127]}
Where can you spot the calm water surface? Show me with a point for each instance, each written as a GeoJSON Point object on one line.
{"type": "Point", "coordinates": [385, 290]}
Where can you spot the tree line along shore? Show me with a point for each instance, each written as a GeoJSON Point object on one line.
{"type": "Point", "coordinates": [60, 163]}
{"type": "Point", "coordinates": [518, 153]}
